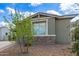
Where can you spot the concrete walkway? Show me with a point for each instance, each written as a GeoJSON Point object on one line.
{"type": "Point", "coordinates": [5, 44]}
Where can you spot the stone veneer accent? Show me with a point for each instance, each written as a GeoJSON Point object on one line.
{"type": "Point", "coordinates": [45, 40]}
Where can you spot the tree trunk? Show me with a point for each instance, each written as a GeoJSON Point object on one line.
{"type": "Point", "coordinates": [27, 46]}
{"type": "Point", "coordinates": [77, 53]}
{"type": "Point", "coordinates": [20, 45]}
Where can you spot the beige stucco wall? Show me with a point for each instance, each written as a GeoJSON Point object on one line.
{"type": "Point", "coordinates": [51, 26]}
{"type": "Point", "coordinates": [62, 31]}
{"type": "Point", "coordinates": [58, 27]}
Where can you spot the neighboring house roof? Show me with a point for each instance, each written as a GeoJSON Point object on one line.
{"type": "Point", "coordinates": [4, 27]}
{"type": "Point", "coordinates": [52, 15]}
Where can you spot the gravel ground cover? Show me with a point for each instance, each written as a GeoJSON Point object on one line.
{"type": "Point", "coordinates": [39, 50]}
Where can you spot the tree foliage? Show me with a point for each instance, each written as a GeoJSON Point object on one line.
{"type": "Point", "coordinates": [75, 47]}
{"type": "Point", "coordinates": [21, 29]}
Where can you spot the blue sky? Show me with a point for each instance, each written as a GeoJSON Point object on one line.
{"type": "Point", "coordinates": [32, 8]}
{"type": "Point", "coordinates": [28, 7]}
{"type": "Point", "coordinates": [5, 8]}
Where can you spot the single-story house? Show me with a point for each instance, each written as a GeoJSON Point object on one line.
{"type": "Point", "coordinates": [50, 28]}
{"type": "Point", "coordinates": [4, 33]}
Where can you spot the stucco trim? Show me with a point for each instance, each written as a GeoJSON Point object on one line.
{"type": "Point", "coordinates": [46, 26]}
{"type": "Point", "coordinates": [39, 20]}
{"type": "Point", "coordinates": [44, 35]}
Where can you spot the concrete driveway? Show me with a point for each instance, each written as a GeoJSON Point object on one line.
{"type": "Point", "coordinates": [5, 44]}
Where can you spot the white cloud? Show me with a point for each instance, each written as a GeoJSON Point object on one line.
{"type": "Point", "coordinates": [11, 10]}
{"type": "Point", "coordinates": [53, 12]}
{"type": "Point", "coordinates": [1, 11]}
{"type": "Point", "coordinates": [35, 4]}
{"type": "Point", "coordinates": [27, 13]}
{"type": "Point", "coordinates": [69, 8]}
{"type": "Point", "coordinates": [3, 24]}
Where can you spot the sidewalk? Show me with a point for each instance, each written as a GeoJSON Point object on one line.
{"type": "Point", "coordinates": [5, 44]}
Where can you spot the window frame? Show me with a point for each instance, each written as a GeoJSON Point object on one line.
{"type": "Point", "coordinates": [45, 27]}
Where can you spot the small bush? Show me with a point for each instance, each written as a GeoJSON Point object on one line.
{"type": "Point", "coordinates": [75, 47]}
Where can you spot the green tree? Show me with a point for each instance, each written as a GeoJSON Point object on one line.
{"type": "Point", "coordinates": [21, 30]}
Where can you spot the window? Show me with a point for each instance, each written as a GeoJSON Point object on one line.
{"type": "Point", "coordinates": [40, 28]}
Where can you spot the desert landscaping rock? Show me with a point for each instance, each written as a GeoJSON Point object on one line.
{"type": "Point", "coordinates": [40, 50]}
